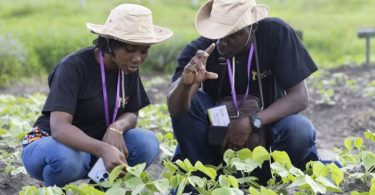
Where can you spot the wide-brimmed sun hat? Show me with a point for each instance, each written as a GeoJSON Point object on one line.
{"type": "Point", "coordinates": [218, 18]}
{"type": "Point", "coordinates": [131, 23]}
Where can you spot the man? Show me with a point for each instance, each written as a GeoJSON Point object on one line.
{"type": "Point", "coordinates": [236, 27]}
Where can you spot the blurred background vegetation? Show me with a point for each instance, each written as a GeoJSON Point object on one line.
{"type": "Point", "coordinates": [35, 34]}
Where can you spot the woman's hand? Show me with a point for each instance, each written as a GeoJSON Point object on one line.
{"type": "Point", "coordinates": [117, 140]}
{"type": "Point", "coordinates": [112, 157]}
{"type": "Point", "coordinates": [195, 71]}
{"type": "Point", "coordinates": [238, 133]}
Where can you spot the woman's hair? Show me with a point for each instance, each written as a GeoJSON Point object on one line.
{"type": "Point", "coordinates": [108, 45]}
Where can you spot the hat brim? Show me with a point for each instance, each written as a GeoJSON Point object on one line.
{"type": "Point", "coordinates": [213, 30]}
{"type": "Point", "coordinates": [160, 34]}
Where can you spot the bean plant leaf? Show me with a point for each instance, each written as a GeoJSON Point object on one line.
{"type": "Point", "coordinates": [328, 184]}
{"type": "Point", "coordinates": [319, 169]}
{"type": "Point", "coordinates": [348, 143]}
{"type": "Point", "coordinates": [279, 169]}
{"type": "Point", "coordinates": [336, 173]}
{"type": "Point", "coordinates": [253, 191]}
{"type": "Point", "coordinates": [135, 184]}
{"type": "Point", "coordinates": [210, 172]}
{"type": "Point", "coordinates": [227, 191]}
{"type": "Point", "coordinates": [116, 189]}
{"type": "Point", "coordinates": [170, 166]}
{"type": "Point", "coordinates": [233, 181]}
{"type": "Point", "coordinates": [197, 181]}
{"type": "Point", "coordinates": [136, 170]}
{"type": "Point", "coordinates": [244, 154]}
{"type": "Point", "coordinates": [228, 156]}
{"type": "Point", "coordinates": [368, 159]}
{"type": "Point", "coordinates": [265, 191]}
{"type": "Point", "coordinates": [370, 135]}
{"type": "Point", "coordinates": [260, 154]}
{"type": "Point", "coordinates": [182, 165]}
{"type": "Point", "coordinates": [162, 185]}
{"type": "Point", "coordinates": [282, 157]}
{"type": "Point", "coordinates": [115, 173]}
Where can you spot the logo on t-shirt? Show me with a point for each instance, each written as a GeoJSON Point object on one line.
{"type": "Point", "coordinates": [262, 75]}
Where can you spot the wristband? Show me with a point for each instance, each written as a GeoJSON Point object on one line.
{"type": "Point", "coordinates": [115, 130]}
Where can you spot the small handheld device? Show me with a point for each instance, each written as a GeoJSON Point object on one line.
{"type": "Point", "coordinates": [98, 173]}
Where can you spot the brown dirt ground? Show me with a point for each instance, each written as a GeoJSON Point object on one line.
{"type": "Point", "coordinates": [350, 115]}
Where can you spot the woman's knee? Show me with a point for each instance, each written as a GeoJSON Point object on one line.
{"type": "Point", "coordinates": [54, 163]}
{"type": "Point", "coordinates": [142, 145]}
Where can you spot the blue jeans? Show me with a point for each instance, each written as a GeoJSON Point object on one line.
{"type": "Point", "coordinates": [56, 164]}
{"type": "Point", "coordinates": [294, 134]}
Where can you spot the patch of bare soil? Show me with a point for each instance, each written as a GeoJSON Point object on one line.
{"type": "Point", "coordinates": [348, 112]}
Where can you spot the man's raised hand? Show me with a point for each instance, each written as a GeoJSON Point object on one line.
{"type": "Point", "coordinates": [195, 70]}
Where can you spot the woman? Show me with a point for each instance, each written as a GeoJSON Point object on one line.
{"type": "Point", "coordinates": [92, 108]}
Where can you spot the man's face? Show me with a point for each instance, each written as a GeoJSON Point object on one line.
{"type": "Point", "coordinates": [233, 44]}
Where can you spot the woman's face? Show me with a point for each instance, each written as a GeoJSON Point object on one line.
{"type": "Point", "coordinates": [130, 57]}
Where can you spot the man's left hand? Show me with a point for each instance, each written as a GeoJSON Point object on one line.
{"type": "Point", "coordinates": [238, 133]}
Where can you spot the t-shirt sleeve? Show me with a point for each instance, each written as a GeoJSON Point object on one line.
{"type": "Point", "coordinates": [138, 96]}
{"type": "Point", "coordinates": [292, 62]}
{"type": "Point", "coordinates": [64, 88]}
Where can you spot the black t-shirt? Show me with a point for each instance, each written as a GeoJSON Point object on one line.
{"type": "Point", "coordinates": [283, 61]}
{"type": "Point", "coordinates": [76, 88]}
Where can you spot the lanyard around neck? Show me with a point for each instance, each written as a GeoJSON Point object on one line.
{"type": "Point", "coordinates": [105, 97]}
{"type": "Point", "coordinates": [231, 77]}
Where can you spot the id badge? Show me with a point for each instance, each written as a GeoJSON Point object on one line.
{"type": "Point", "coordinates": [219, 116]}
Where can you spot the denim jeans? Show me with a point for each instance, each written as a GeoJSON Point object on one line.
{"type": "Point", "coordinates": [56, 164]}
{"type": "Point", "coordinates": [294, 134]}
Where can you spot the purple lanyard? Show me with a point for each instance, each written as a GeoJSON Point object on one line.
{"type": "Point", "coordinates": [231, 79]}
{"type": "Point", "coordinates": [104, 87]}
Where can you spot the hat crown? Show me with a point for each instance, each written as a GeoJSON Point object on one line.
{"type": "Point", "coordinates": [130, 20]}
{"type": "Point", "coordinates": [237, 7]}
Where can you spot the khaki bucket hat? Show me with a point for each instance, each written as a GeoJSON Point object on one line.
{"type": "Point", "coordinates": [131, 23]}
{"type": "Point", "coordinates": [218, 18]}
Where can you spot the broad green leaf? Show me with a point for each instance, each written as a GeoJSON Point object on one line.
{"type": "Point", "coordinates": [136, 170]}
{"type": "Point", "coordinates": [3, 131]}
{"type": "Point", "coordinates": [227, 191]}
{"type": "Point", "coordinates": [189, 166]}
{"type": "Point", "coordinates": [135, 184]}
{"type": "Point", "coordinates": [372, 188]}
{"type": "Point", "coordinates": [279, 169]}
{"type": "Point", "coordinates": [370, 135]}
{"type": "Point", "coordinates": [170, 166]}
{"type": "Point", "coordinates": [301, 182]}
{"type": "Point", "coordinates": [348, 143]}
{"type": "Point", "coordinates": [28, 190]}
{"type": "Point", "coordinates": [181, 186]}
{"type": "Point", "coordinates": [197, 181]}
{"type": "Point", "coordinates": [182, 165]}
{"type": "Point", "coordinates": [247, 166]}
{"type": "Point", "coordinates": [244, 154]}
{"type": "Point", "coordinates": [254, 191]}
{"type": "Point", "coordinates": [368, 159]}
{"type": "Point", "coordinates": [328, 184]}
{"type": "Point", "coordinates": [336, 173]}
{"type": "Point", "coordinates": [246, 180]}
{"type": "Point", "coordinates": [359, 193]}
{"type": "Point", "coordinates": [162, 185]}
{"type": "Point", "coordinates": [115, 173]}
{"type": "Point", "coordinates": [282, 157]}
{"type": "Point", "coordinates": [115, 190]}
{"type": "Point", "coordinates": [358, 143]}
{"type": "Point", "coordinates": [224, 181]}
{"type": "Point", "coordinates": [228, 156]}
{"type": "Point", "coordinates": [265, 191]}
{"type": "Point", "coordinates": [296, 172]}
{"type": "Point", "coordinates": [260, 154]}
{"type": "Point", "coordinates": [210, 172]}
{"type": "Point", "coordinates": [319, 169]}
{"type": "Point", "coordinates": [233, 181]}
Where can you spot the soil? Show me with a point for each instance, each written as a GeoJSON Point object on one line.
{"type": "Point", "coordinates": [349, 112]}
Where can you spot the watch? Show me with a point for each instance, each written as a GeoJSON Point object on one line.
{"type": "Point", "coordinates": [256, 122]}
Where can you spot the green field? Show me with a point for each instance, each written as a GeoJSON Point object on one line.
{"type": "Point", "coordinates": [34, 35]}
